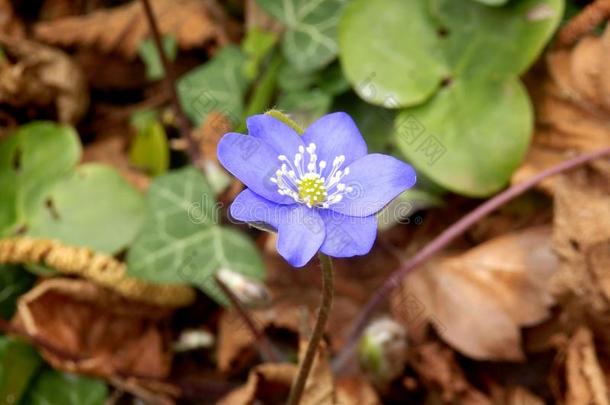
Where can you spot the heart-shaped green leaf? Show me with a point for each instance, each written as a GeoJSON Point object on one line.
{"type": "Point", "coordinates": [182, 241]}
{"type": "Point", "coordinates": [94, 207]}
{"type": "Point", "coordinates": [14, 281]}
{"type": "Point", "coordinates": [389, 51]}
{"type": "Point", "coordinates": [31, 161]}
{"type": "Point", "coordinates": [492, 2]}
{"type": "Point", "coordinates": [470, 136]}
{"type": "Point", "coordinates": [18, 365]}
{"type": "Point", "coordinates": [217, 85]}
{"type": "Point", "coordinates": [310, 41]}
{"type": "Point", "coordinates": [55, 388]}
{"type": "Point", "coordinates": [396, 53]}
{"type": "Point", "coordinates": [494, 42]}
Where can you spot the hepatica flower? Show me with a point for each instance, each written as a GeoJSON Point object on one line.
{"type": "Point", "coordinates": [319, 191]}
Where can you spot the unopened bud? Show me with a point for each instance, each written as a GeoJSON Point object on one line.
{"type": "Point", "coordinates": [382, 350]}
{"type": "Point", "coordinates": [192, 339]}
{"type": "Point", "coordinates": [251, 293]}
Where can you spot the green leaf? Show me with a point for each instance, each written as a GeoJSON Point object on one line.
{"type": "Point", "coordinates": [389, 51]}
{"type": "Point", "coordinates": [182, 241]}
{"type": "Point", "coordinates": [18, 364]}
{"type": "Point", "coordinates": [31, 161]}
{"type": "Point", "coordinates": [150, 149]}
{"type": "Point", "coordinates": [332, 81]}
{"type": "Point", "coordinates": [290, 79]}
{"type": "Point", "coordinates": [150, 56]}
{"type": "Point", "coordinates": [375, 123]}
{"type": "Point", "coordinates": [395, 64]}
{"type": "Point", "coordinates": [493, 2]}
{"type": "Point", "coordinates": [495, 42]}
{"type": "Point", "coordinates": [400, 209]}
{"type": "Point", "coordinates": [470, 137]}
{"type": "Point", "coordinates": [305, 106]}
{"type": "Point", "coordinates": [218, 85]}
{"type": "Point", "coordinates": [14, 281]}
{"type": "Point", "coordinates": [94, 207]}
{"type": "Point", "coordinates": [256, 45]}
{"type": "Point", "coordinates": [310, 40]}
{"type": "Point", "coordinates": [55, 388]}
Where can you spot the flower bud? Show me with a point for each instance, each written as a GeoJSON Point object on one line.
{"type": "Point", "coordinates": [192, 339]}
{"type": "Point", "coordinates": [382, 350]}
{"type": "Point", "coordinates": [251, 293]}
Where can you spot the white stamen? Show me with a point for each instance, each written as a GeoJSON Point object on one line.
{"type": "Point", "coordinates": [306, 181]}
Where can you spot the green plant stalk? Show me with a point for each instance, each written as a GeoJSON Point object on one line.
{"type": "Point", "coordinates": [298, 385]}
{"type": "Point", "coordinates": [263, 91]}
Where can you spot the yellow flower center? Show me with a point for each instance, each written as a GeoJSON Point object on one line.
{"type": "Point", "coordinates": [311, 189]}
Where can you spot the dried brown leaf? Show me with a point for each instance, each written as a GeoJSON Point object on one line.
{"type": "Point", "coordinates": [9, 23]}
{"type": "Point", "coordinates": [478, 301]}
{"type": "Point", "coordinates": [521, 396]}
{"type": "Point", "coordinates": [438, 369]}
{"type": "Point", "coordinates": [585, 379]}
{"type": "Point", "coordinates": [122, 29]}
{"type": "Point", "coordinates": [42, 76]}
{"type": "Point", "coordinates": [581, 237]}
{"type": "Point", "coordinates": [110, 334]}
{"type": "Point", "coordinates": [270, 383]}
{"type": "Point", "coordinates": [572, 100]}
{"type": "Point", "coordinates": [213, 128]}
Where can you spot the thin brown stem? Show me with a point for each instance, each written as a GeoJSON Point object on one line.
{"type": "Point", "coordinates": [266, 349]}
{"type": "Point", "coordinates": [169, 80]}
{"type": "Point", "coordinates": [296, 391]}
{"type": "Point", "coordinates": [442, 240]}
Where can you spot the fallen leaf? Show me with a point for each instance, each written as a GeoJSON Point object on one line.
{"type": "Point", "coordinates": [270, 384]}
{"type": "Point", "coordinates": [571, 95]}
{"type": "Point", "coordinates": [216, 124]}
{"type": "Point", "coordinates": [236, 345]}
{"type": "Point", "coordinates": [9, 22]}
{"type": "Point", "coordinates": [581, 238]}
{"type": "Point", "coordinates": [437, 367]}
{"type": "Point", "coordinates": [110, 334]}
{"type": "Point", "coordinates": [585, 379]}
{"type": "Point", "coordinates": [122, 29]}
{"type": "Point", "coordinates": [42, 76]}
{"type": "Point", "coordinates": [478, 300]}
{"type": "Point", "coordinates": [356, 391]}
{"type": "Point", "coordinates": [521, 396]}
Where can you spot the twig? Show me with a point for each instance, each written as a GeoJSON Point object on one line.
{"type": "Point", "coordinates": [584, 22]}
{"type": "Point", "coordinates": [442, 240]}
{"type": "Point", "coordinates": [183, 122]}
{"type": "Point", "coordinates": [266, 349]}
{"type": "Point", "coordinates": [296, 391]}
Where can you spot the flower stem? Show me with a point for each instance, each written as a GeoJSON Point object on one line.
{"type": "Point", "coordinates": [277, 114]}
{"type": "Point", "coordinates": [169, 81]}
{"type": "Point", "coordinates": [442, 240]}
{"type": "Point", "coordinates": [296, 391]}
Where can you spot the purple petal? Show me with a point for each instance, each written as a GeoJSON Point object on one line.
{"type": "Point", "coordinates": [253, 162]}
{"type": "Point", "coordinates": [375, 180]}
{"type": "Point", "coordinates": [300, 234]}
{"type": "Point", "coordinates": [250, 207]}
{"type": "Point", "coordinates": [348, 236]}
{"type": "Point", "coordinates": [336, 134]}
{"type": "Point", "coordinates": [300, 229]}
{"type": "Point", "coordinates": [275, 133]}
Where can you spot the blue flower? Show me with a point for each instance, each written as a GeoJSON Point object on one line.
{"type": "Point", "coordinates": [319, 191]}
